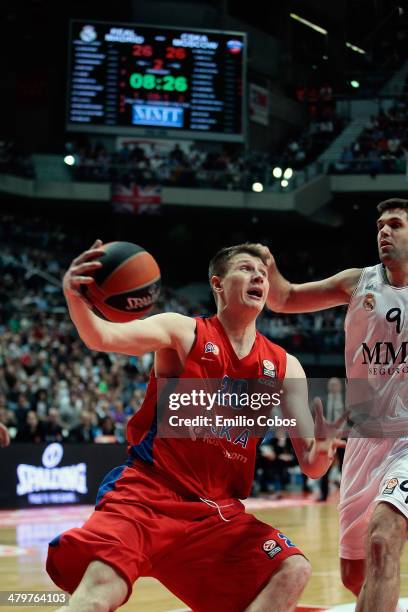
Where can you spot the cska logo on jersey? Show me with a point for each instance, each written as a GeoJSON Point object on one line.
{"type": "Point", "coordinates": [210, 347]}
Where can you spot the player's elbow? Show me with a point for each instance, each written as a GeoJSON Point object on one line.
{"type": "Point", "coordinates": [278, 301]}
{"type": "Point", "coordinates": [96, 342]}
{"type": "Point", "coordinates": [94, 346]}
{"type": "Point", "coordinates": [275, 305]}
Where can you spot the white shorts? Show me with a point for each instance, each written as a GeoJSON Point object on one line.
{"type": "Point", "coordinates": [373, 470]}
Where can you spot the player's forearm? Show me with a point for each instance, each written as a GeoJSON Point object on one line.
{"type": "Point", "coordinates": [91, 329]}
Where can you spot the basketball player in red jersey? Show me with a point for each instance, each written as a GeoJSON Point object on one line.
{"type": "Point", "coordinates": [173, 511]}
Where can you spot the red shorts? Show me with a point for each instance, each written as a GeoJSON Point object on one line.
{"type": "Point", "coordinates": [209, 557]}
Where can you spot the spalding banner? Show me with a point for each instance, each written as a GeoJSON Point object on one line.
{"type": "Point", "coordinates": [39, 474]}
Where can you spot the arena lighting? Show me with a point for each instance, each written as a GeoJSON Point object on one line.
{"type": "Point", "coordinates": [355, 84]}
{"type": "Point", "coordinates": [284, 183]}
{"type": "Point", "coordinates": [321, 30]}
{"type": "Point", "coordinates": [258, 187]}
{"type": "Point", "coordinates": [355, 48]}
{"type": "Point", "coordinates": [309, 24]}
{"type": "Point", "coordinates": [69, 160]}
{"type": "Point", "coordinates": [277, 172]}
{"type": "Point", "coordinates": [288, 173]}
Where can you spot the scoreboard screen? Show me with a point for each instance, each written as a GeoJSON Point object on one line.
{"type": "Point", "coordinates": [156, 81]}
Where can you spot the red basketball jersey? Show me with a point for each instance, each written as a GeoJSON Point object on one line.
{"type": "Point", "coordinates": [220, 464]}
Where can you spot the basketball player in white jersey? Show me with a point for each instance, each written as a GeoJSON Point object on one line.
{"type": "Point", "coordinates": [374, 488]}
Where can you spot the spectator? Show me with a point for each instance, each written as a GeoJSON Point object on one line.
{"type": "Point", "coordinates": [32, 430]}
{"type": "Point", "coordinates": [53, 431]}
{"type": "Point", "coordinates": [274, 458]}
{"type": "Point", "coordinates": [85, 431]}
{"type": "Point", "coordinates": [108, 432]}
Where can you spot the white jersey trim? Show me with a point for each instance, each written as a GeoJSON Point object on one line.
{"type": "Point", "coordinates": [352, 296]}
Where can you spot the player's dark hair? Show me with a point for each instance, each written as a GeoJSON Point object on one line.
{"type": "Point", "coordinates": [219, 263]}
{"type": "Point", "coordinates": [391, 204]}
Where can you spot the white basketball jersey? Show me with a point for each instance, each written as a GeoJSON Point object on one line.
{"type": "Point", "coordinates": [376, 353]}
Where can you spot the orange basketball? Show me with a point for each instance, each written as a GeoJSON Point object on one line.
{"type": "Point", "coordinates": [127, 285]}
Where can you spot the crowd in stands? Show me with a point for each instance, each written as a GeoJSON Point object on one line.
{"type": "Point", "coordinates": [195, 167]}
{"type": "Point", "coordinates": [382, 146]}
{"type": "Point", "coordinates": [145, 163]}
{"type": "Point", "coordinates": [183, 165]}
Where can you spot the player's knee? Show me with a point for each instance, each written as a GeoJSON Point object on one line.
{"type": "Point", "coordinates": [389, 526]}
{"type": "Point", "coordinates": [387, 534]}
{"type": "Point", "coordinates": [101, 574]}
{"type": "Point", "coordinates": [297, 570]}
{"type": "Point", "coordinates": [379, 549]}
{"type": "Point", "coordinates": [101, 589]}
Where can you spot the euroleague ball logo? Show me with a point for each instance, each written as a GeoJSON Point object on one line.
{"type": "Point", "coordinates": [269, 545]}
{"type": "Point", "coordinates": [390, 485]}
{"type": "Point", "coordinates": [235, 46]}
{"type": "Point", "coordinates": [271, 548]}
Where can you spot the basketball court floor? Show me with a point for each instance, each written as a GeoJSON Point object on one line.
{"type": "Point", "coordinates": [24, 535]}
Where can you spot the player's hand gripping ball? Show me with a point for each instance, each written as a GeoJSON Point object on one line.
{"type": "Point", "coordinates": [126, 286]}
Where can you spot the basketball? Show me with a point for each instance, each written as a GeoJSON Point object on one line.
{"type": "Point", "coordinates": [127, 285]}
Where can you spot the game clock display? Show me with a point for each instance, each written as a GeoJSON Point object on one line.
{"type": "Point", "coordinates": [133, 79]}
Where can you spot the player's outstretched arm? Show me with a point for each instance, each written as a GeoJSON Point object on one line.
{"type": "Point", "coordinates": [315, 444]}
{"type": "Point", "coordinates": [167, 330]}
{"type": "Point", "coordinates": [285, 296]}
